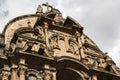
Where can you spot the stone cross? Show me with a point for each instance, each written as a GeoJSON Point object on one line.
{"type": "Point", "coordinates": [48, 6]}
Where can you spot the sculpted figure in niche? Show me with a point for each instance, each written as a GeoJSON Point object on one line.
{"type": "Point", "coordinates": [95, 64]}
{"type": "Point", "coordinates": [102, 63]}
{"type": "Point", "coordinates": [58, 18]}
{"type": "Point", "coordinates": [54, 42]}
{"type": "Point", "coordinates": [71, 47]}
{"type": "Point", "coordinates": [108, 59]}
{"type": "Point", "coordinates": [40, 32]}
{"type": "Point", "coordinates": [28, 46]}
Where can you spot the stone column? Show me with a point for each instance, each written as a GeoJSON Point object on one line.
{"type": "Point", "coordinates": [22, 69]}
{"type": "Point", "coordinates": [94, 77]}
{"type": "Point", "coordinates": [49, 73]}
{"type": "Point", "coordinates": [14, 70]}
{"type": "Point", "coordinates": [46, 34]}
{"type": "Point", "coordinates": [54, 74]}
{"type": "Point", "coordinates": [66, 43]}
{"type": "Point", "coordinates": [5, 72]}
{"type": "Point", "coordinates": [79, 38]}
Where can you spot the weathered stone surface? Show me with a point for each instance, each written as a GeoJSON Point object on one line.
{"type": "Point", "coordinates": [46, 46]}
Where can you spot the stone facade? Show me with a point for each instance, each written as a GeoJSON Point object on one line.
{"type": "Point", "coordinates": [45, 46]}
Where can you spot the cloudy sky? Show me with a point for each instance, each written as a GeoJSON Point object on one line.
{"type": "Point", "coordinates": [100, 18]}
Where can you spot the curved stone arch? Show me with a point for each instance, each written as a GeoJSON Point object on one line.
{"type": "Point", "coordinates": [69, 74]}
{"type": "Point", "coordinates": [19, 32]}
{"type": "Point", "coordinates": [73, 66]}
{"type": "Point", "coordinates": [17, 23]}
{"type": "Point", "coordinates": [66, 61]}
{"type": "Point", "coordinates": [17, 19]}
{"type": "Point", "coordinates": [33, 72]}
{"type": "Point", "coordinates": [80, 73]}
{"type": "Point", "coordinates": [24, 30]}
{"type": "Point", "coordinates": [22, 37]}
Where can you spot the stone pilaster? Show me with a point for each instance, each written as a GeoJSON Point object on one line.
{"type": "Point", "coordinates": [22, 69]}
{"type": "Point", "coordinates": [49, 73]}
{"type": "Point", "coordinates": [5, 72]}
{"type": "Point", "coordinates": [46, 34]}
{"type": "Point", "coordinates": [80, 44]}
{"type": "Point", "coordinates": [14, 71]}
{"type": "Point", "coordinates": [66, 43]}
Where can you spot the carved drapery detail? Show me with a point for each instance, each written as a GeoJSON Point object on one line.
{"type": "Point", "coordinates": [39, 31]}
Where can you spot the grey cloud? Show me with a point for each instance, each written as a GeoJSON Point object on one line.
{"type": "Point", "coordinates": [103, 21]}
{"type": "Point", "coordinates": [2, 2]}
{"type": "Point", "coordinates": [100, 19]}
{"type": "Point", "coordinates": [4, 13]}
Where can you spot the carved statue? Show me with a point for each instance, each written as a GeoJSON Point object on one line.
{"type": "Point", "coordinates": [39, 10]}
{"type": "Point", "coordinates": [71, 47]}
{"type": "Point", "coordinates": [28, 46]}
{"type": "Point", "coordinates": [108, 59]}
{"type": "Point", "coordinates": [95, 64]}
{"type": "Point", "coordinates": [41, 34]}
{"type": "Point", "coordinates": [58, 18]}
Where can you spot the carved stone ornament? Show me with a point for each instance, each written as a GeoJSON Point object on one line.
{"type": "Point", "coordinates": [47, 46]}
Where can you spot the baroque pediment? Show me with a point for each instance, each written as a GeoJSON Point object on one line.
{"type": "Point", "coordinates": [48, 36]}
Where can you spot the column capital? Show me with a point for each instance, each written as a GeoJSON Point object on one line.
{"type": "Point", "coordinates": [22, 68]}
{"type": "Point", "coordinates": [5, 72]}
